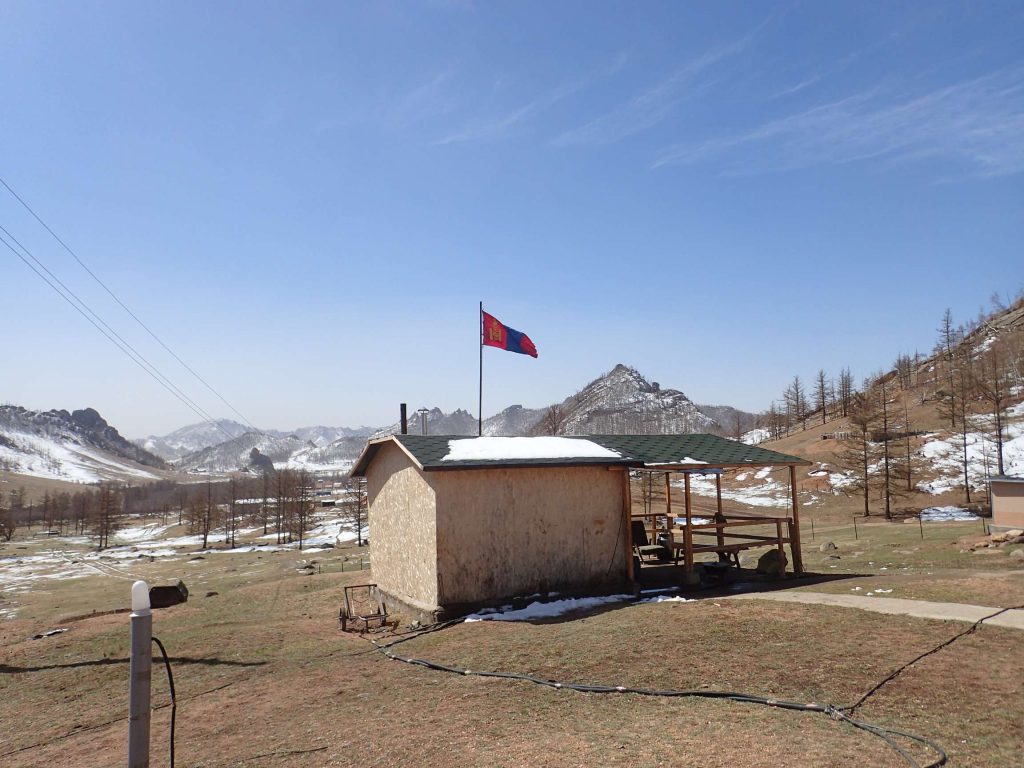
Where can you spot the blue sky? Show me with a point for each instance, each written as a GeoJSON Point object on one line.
{"type": "Point", "coordinates": [307, 201]}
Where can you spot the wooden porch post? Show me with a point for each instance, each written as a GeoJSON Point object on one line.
{"type": "Point", "coordinates": [627, 502]}
{"type": "Point", "coordinates": [687, 531]}
{"type": "Point", "coordinates": [720, 518]}
{"type": "Point", "coordinates": [668, 500]}
{"type": "Point", "coordinates": [794, 544]}
{"type": "Point", "coordinates": [668, 516]}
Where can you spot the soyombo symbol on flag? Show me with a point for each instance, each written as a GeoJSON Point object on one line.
{"type": "Point", "coordinates": [497, 334]}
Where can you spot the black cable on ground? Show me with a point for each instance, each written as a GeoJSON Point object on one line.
{"type": "Point", "coordinates": [170, 684]}
{"type": "Point", "coordinates": [971, 629]}
{"type": "Point", "coordinates": [888, 735]}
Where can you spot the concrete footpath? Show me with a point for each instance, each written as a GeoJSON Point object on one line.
{"type": "Point", "coordinates": [1014, 619]}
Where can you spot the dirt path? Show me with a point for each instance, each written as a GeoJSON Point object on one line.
{"type": "Point", "coordinates": [1014, 619]}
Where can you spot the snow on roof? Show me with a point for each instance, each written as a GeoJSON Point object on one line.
{"type": "Point", "coordinates": [512, 448]}
{"type": "Point", "coordinates": [684, 460]}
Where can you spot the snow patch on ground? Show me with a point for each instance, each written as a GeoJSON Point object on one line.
{"type": "Point", "coordinates": [756, 436]}
{"type": "Point", "coordinates": [946, 515]}
{"type": "Point", "coordinates": [945, 455]}
{"type": "Point", "coordinates": [141, 532]}
{"type": "Point", "coordinates": [766, 494]}
{"type": "Point", "coordinates": [510, 448]}
{"type": "Point", "coordinates": [540, 610]}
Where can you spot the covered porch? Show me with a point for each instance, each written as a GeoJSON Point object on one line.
{"type": "Point", "coordinates": [673, 525]}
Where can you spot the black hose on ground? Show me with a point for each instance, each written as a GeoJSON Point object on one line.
{"type": "Point", "coordinates": [170, 684]}
{"type": "Point", "coordinates": [839, 714]}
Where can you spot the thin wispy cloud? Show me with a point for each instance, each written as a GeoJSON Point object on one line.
{"type": "Point", "coordinates": [840, 65]}
{"type": "Point", "coordinates": [493, 128]}
{"type": "Point", "coordinates": [796, 88]}
{"type": "Point", "coordinates": [428, 99]}
{"type": "Point", "coordinates": [978, 123]}
{"type": "Point", "coordinates": [650, 106]}
{"type": "Point", "coordinates": [502, 125]}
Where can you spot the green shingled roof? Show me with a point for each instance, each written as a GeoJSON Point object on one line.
{"type": "Point", "coordinates": [708, 449]}
{"type": "Point", "coordinates": [635, 451]}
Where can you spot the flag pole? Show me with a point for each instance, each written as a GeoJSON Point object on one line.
{"type": "Point", "coordinates": [480, 401]}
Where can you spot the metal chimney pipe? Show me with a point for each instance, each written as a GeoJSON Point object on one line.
{"type": "Point", "coordinates": [405, 419]}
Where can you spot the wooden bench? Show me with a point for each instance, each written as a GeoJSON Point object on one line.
{"type": "Point", "coordinates": [687, 548]}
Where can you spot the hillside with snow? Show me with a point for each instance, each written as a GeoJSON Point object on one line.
{"type": "Point", "coordinates": [192, 438]}
{"type": "Point", "coordinates": [78, 447]}
{"type": "Point", "coordinates": [337, 456]}
{"type": "Point", "coordinates": [513, 421]}
{"type": "Point", "coordinates": [252, 450]}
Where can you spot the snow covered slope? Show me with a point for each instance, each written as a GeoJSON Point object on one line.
{"type": "Point", "coordinates": [76, 447]}
{"type": "Point", "coordinates": [338, 456]}
{"type": "Point", "coordinates": [943, 454]}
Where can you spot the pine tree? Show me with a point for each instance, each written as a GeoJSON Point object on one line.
{"type": "Point", "coordinates": [821, 393]}
{"type": "Point", "coordinates": [991, 384]}
{"type": "Point", "coordinates": [859, 451]}
{"type": "Point", "coordinates": [947, 342]}
{"type": "Point", "coordinates": [845, 391]}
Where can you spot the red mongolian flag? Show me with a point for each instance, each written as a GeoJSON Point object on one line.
{"type": "Point", "coordinates": [497, 334]}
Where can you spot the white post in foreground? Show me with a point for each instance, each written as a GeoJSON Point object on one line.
{"type": "Point", "coordinates": [140, 669]}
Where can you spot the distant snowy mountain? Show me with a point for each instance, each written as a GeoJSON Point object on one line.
{"type": "Point", "coordinates": [458, 422]}
{"type": "Point", "coordinates": [196, 437]}
{"type": "Point", "coordinates": [249, 450]}
{"type": "Point", "coordinates": [514, 420]}
{"type": "Point", "coordinates": [324, 436]}
{"type": "Point", "coordinates": [623, 402]}
{"type": "Point", "coordinates": [192, 438]}
{"type": "Point", "coordinates": [77, 447]}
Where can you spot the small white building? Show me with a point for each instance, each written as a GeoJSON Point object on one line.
{"type": "Point", "coordinates": [1007, 496]}
{"type": "Point", "coordinates": [461, 522]}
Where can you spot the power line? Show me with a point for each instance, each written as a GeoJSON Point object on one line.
{"type": "Point", "coordinates": [83, 309]}
{"type": "Point", "coordinates": [135, 317]}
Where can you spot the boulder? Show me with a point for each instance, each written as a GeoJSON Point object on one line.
{"type": "Point", "coordinates": [1014, 533]}
{"type": "Point", "coordinates": [828, 546]}
{"type": "Point", "coordinates": [769, 563]}
{"type": "Point", "coordinates": [1017, 554]}
{"type": "Point", "coordinates": [693, 578]}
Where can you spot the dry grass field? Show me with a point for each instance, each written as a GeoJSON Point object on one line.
{"type": "Point", "coordinates": [265, 677]}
